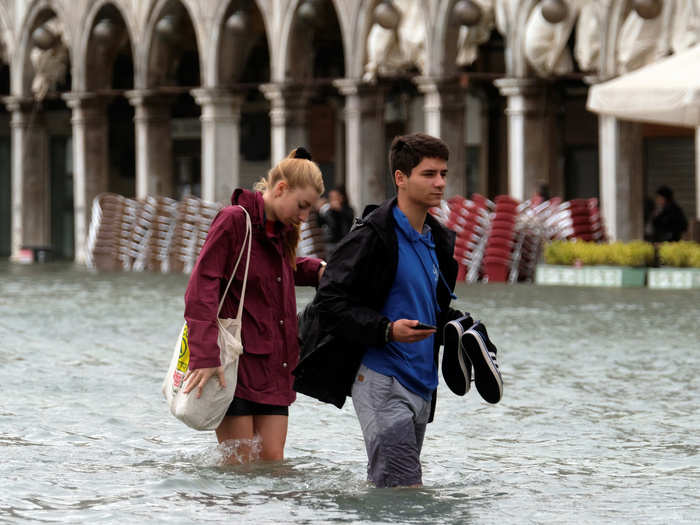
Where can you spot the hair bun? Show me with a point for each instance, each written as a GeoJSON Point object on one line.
{"type": "Point", "coordinates": [301, 153]}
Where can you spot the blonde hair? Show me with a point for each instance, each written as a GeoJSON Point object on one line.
{"type": "Point", "coordinates": [297, 172]}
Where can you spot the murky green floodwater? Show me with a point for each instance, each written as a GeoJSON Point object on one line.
{"type": "Point", "coordinates": [599, 421]}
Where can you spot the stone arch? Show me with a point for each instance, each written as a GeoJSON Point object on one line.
{"type": "Point", "coordinates": [153, 61]}
{"type": "Point", "coordinates": [445, 34]}
{"type": "Point", "coordinates": [360, 30]}
{"type": "Point", "coordinates": [39, 12]}
{"type": "Point", "coordinates": [7, 40]}
{"type": "Point", "coordinates": [229, 52]}
{"type": "Point", "coordinates": [615, 16]}
{"type": "Point", "coordinates": [519, 66]}
{"type": "Point", "coordinates": [294, 40]}
{"type": "Point", "coordinates": [87, 53]}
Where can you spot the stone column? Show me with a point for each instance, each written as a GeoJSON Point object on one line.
{"type": "Point", "coordinates": [621, 178]}
{"type": "Point", "coordinates": [90, 160]}
{"type": "Point", "coordinates": [289, 111]}
{"type": "Point", "coordinates": [31, 199]}
{"type": "Point", "coordinates": [366, 177]}
{"type": "Point", "coordinates": [528, 130]}
{"type": "Point", "coordinates": [221, 137]}
{"type": "Point", "coordinates": [445, 111]}
{"type": "Point", "coordinates": [697, 172]}
{"type": "Point", "coordinates": [154, 144]}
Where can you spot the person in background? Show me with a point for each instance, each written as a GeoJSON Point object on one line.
{"type": "Point", "coordinates": [541, 195]}
{"type": "Point", "coordinates": [258, 415]}
{"type": "Point", "coordinates": [668, 220]}
{"type": "Point", "coordinates": [336, 217]}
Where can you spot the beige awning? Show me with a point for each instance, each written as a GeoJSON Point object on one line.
{"type": "Point", "coordinates": [667, 92]}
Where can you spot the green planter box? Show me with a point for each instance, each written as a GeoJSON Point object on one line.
{"type": "Point", "coordinates": [605, 276]}
{"type": "Point", "coordinates": [674, 278]}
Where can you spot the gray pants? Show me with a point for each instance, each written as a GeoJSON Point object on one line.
{"type": "Point", "coordinates": [393, 421]}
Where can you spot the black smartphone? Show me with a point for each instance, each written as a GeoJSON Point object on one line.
{"type": "Point", "coordinates": [423, 326]}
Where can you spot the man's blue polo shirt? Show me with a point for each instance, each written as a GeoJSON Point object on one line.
{"type": "Point", "coordinates": [413, 295]}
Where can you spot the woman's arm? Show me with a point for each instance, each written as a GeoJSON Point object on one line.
{"type": "Point", "coordinates": [308, 272]}
{"type": "Point", "coordinates": [202, 296]}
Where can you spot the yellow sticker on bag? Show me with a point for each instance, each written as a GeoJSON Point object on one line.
{"type": "Point", "coordinates": [183, 361]}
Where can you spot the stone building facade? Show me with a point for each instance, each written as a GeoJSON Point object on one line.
{"type": "Point", "coordinates": [171, 97]}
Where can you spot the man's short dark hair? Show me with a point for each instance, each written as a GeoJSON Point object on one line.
{"type": "Point", "coordinates": [407, 151]}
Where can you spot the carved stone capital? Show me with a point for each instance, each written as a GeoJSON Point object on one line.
{"type": "Point", "coordinates": [149, 97]}
{"type": "Point", "coordinates": [216, 97]}
{"type": "Point", "coordinates": [442, 93]}
{"type": "Point", "coordinates": [357, 87]}
{"type": "Point", "coordinates": [283, 94]}
{"type": "Point", "coordinates": [151, 105]}
{"type": "Point", "coordinates": [218, 105]}
{"type": "Point", "coordinates": [518, 86]}
{"type": "Point", "coordinates": [19, 104]}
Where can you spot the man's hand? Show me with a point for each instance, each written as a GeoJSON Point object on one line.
{"type": "Point", "coordinates": [402, 331]}
{"type": "Point", "coordinates": [199, 377]}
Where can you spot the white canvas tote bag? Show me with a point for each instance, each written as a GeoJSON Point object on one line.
{"type": "Point", "coordinates": [207, 412]}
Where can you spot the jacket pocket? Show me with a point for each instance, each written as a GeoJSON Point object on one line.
{"type": "Point", "coordinates": [254, 373]}
{"type": "Point", "coordinates": [259, 337]}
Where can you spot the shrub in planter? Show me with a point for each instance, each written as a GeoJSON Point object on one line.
{"type": "Point", "coordinates": [559, 252]}
{"type": "Point", "coordinates": [682, 254]}
{"type": "Point", "coordinates": [635, 253]}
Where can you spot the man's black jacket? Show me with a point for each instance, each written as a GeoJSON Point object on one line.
{"type": "Point", "coordinates": [344, 318]}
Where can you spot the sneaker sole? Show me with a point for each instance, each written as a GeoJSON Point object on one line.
{"type": "Point", "coordinates": [487, 378]}
{"type": "Point", "coordinates": [452, 360]}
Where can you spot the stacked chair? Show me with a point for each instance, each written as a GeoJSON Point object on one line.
{"type": "Point", "coordinates": [160, 234]}
{"type": "Point", "coordinates": [140, 235]}
{"type": "Point", "coordinates": [183, 242]}
{"type": "Point", "coordinates": [502, 241]}
{"type": "Point", "coordinates": [105, 233]}
{"type": "Point", "coordinates": [193, 217]}
{"type": "Point", "coordinates": [530, 238]}
{"type": "Point", "coordinates": [156, 233]}
{"type": "Point", "coordinates": [157, 215]}
{"type": "Point", "coordinates": [577, 219]}
{"type": "Point", "coordinates": [470, 219]}
{"type": "Point", "coordinates": [311, 239]}
{"type": "Point", "coordinates": [503, 238]}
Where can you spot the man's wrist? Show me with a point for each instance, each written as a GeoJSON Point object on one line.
{"type": "Point", "coordinates": [387, 332]}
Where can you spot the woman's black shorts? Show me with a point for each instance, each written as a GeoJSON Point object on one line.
{"type": "Point", "coordinates": [243, 407]}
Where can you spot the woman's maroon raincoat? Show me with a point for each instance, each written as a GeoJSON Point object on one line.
{"type": "Point", "coordinates": [269, 329]}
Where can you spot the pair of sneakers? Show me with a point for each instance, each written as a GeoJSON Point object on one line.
{"type": "Point", "coordinates": [467, 347]}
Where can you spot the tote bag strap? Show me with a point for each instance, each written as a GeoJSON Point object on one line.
{"type": "Point", "coordinates": [249, 239]}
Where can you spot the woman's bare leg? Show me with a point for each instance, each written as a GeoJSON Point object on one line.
{"type": "Point", "coordinates": [273, 433]}
{"type": "Point", "coordinates": [240, 431]}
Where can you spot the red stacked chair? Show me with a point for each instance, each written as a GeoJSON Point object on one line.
{"type": "Point", "coordinates": [498, 256]}
{"type": "Point", "coordinates": [597, 225]}
{"type": "Point", "coordinates": [470, 220]}
{"type": "Point", "coordinates": [578, 219]}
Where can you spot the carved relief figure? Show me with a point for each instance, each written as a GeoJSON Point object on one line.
{"type": "Point", "coordinates": [394, 50]}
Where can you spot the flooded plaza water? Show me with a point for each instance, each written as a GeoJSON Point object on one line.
{"type": "Point", "coordinates": [599, 422]}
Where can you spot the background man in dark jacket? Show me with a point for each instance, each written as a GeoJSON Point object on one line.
{"type": "Point", "coordinates": [361, 333]}
{"type": "Point", "coordinates": [668, 220]}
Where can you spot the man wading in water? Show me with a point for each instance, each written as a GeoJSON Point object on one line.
{"type": "Point", "coordinates": [393, 271]}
